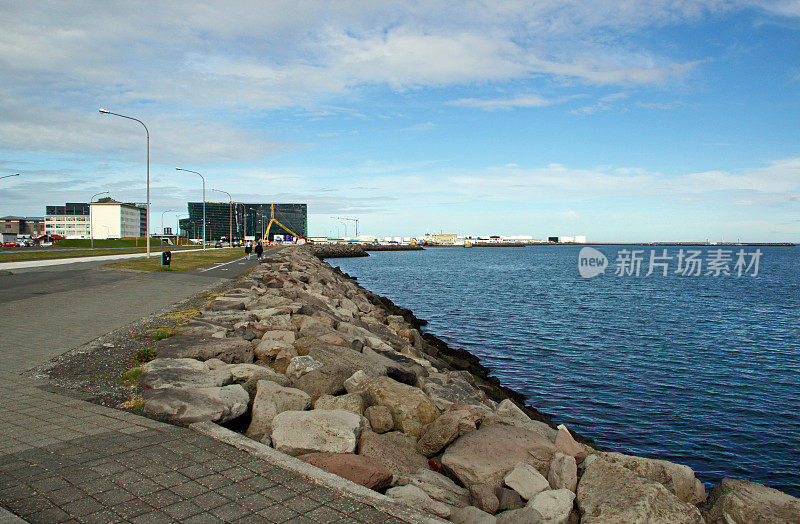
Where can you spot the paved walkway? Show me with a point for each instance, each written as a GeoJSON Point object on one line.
{"type": "Point", "coordinates": [66, 460]}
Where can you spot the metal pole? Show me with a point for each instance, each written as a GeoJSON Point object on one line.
{"type": "Point", "coordinates": [91, 229]}
{"type": "Point", "coordinates": [162, 219]}
{"type": "Point", "coordinates": [147, 205]}
{"type": "Point", "coordinates": [230, 214]}
{"type": "Point", "coordinates": [9, 176]}
{"type": "Point", "coordinates": [204, 200]}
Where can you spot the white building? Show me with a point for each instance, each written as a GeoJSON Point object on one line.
{"type": "Point", "coordinates": [580, 239]}
{"type": "Point", "coordinates": [114, 220]}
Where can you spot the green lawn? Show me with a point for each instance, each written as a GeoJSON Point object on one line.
{"type": "Point", "coordinates": [19, 256]}
{"type": "Point", "coordinates": [182, 261]}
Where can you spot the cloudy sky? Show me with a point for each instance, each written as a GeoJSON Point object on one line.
{"type": "Point", "coordinates": [621, 120]}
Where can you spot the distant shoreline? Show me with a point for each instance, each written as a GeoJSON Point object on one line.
{"type": "Point", "coordinates": [701, 244]}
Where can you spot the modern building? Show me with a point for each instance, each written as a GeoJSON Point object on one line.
{"type": "Point", "coordinates": [441, 238]}
{"type": "Point", "coordinates": [27, 226]}
{"type": "Point", "coordinates": [246, 220]}
{"type": "Point", "coordinates": [70, 220]}
{"type": "Point", "coordinates": [111, 219]}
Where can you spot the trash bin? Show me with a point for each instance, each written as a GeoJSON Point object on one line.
{"type": "Point", "coordinates": [166, 256]}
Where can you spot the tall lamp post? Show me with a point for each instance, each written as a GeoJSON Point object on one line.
{"type": "Point", "coordinates": [204, 200]}
{"type": "Point", "coordinates": [230, 214]}
{"type": "Point", "coordinates": [162, 219]}
{"type": "Point", "coordinates": [91, 229]}
{"type": "Point", "coordinates": [147, 215]}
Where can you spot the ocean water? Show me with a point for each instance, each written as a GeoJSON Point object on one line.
{"type": "Point", "coordinates": [699, 370]}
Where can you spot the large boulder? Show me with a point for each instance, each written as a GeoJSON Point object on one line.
{"type": "Point", "coordinates": [181, 373]}
{"type": "Point", "coordinates": [411, 408]}
{"type": "Point", "coordinates": [380, 418]}
{"type": "Point", "coordinates": [189, 405]}
{"type": "Point", "coordinates": [419, 500]}
{"type": "Point", "coordinates": [300, 365]}
{"type": "Point", "coordinates": [677, 478]}
{"type": "Point", "coordinates": [554, 505]}
{"type": "Point", "coordinates": [736, 500]}
{"type": "Point", "coordinates": [356, 468]}
{"type": "Point", "coordinates": [486, 455]}
{"type": "Point", "coordinates": [349, 402]}
{"type": "Point", "coordinates": [265, 373]}
{"type": "Point", "coordinates": [609, 492]}
{"type": "Point", "coordinates": [526, 480]}
{"type": "Point", "coordinates": [437, 486]}
{"type": "Point", "coordinates": [509, 413]}
{"type": "Point", "coordinates": [568, 445]}
{"type": "Point", "coordinates": [452, 387]}
{"type": "Point", "coordinates": [563, 472]}
{"type": "Point", "coordinates": [230, 350]}
{"type": "Point", "coordinates": [444, 430]}
{"type": "Point", "coordinates": [327, 380]}
{"type": "Point", "coordinates": [320, 430]}
{"type": "Point", "coordinates": [311, 327]}
{"type": "Point", "coordinates": [393, 450]}
{"type": "Point", "coordinates": [337, 356]}
{"type": "Point", "coordinates": [270, 400]}
{"type": "Point", "coordinates": [471, 515]}
{"type": "Point", "coordinates": [269, 348]}
{"type": "Point", "coordinates": [484, 497]}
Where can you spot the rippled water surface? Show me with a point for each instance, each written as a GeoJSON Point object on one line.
{"type": "Point", "coordinates": [698, 370]}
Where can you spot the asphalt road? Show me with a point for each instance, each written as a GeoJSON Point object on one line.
{"type": "Point", "coordinates": [63, 307]}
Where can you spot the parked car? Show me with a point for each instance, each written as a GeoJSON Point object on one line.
{"type": "Point", "coordinates": [218, 244]}
{"type": "Point", "coordinates": [10, 244]}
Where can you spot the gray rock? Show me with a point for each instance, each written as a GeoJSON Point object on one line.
{"type": "Point", "coordinates": [608, 492]}
{"type": "Point", "coordinates": [509, 413]}
{"type": "Point", "coordinates": [486, 455]}
{"type": "Point", "coordinates": [188, 405]}
{"type": "Point", "coordinates": [448, 388]}
{"type": "Point", "coordinates": [736, 500]}
{"type": "Point", "coordinates": [526, 480]}
{"type": "Point", "coordinates": [437, 486]}
{"type": "Point", "coordinates": [269, 348]}
{"type": "Point", "coordinates": [563, 472]}
{"type": "Point", "coordinates": [328, 380]}
{"type": "Point", "coordinates": [411, 408]}
{"type": "Point", "coordinates": [394, 450]}
{"type": "Point", "coordinates": [300, 432]}
{"type": "Point", "coordinates": [380, 418]}
{"type": "Point", "coordinates": [444, 430]}
{"type": "Point", "coordinates": [568, 445]}
{"type": "Point", "coordinates": [353, 383]}
{"type": "Point", "coordinates": [508, 499]}
{"type": "Point", "coordinates": [419, 500]}
{"type": "Point", "coordinates": [265, 373]}
{"type": "Point", "coordinates": [301, 365]}
{"type": "Point", "coordinates": [349, 402]}
{"type": "Point", "coordinates": [483, 496]}
{"type": "Point", "coordinates": [554, 506]}
{"type": "Point", "coordinates": [230, 350]}
{"type": "Point", "coordinates": [524, 515]}
{"type": "Point", "coordinates": [182, 373]}
{"type": "Point", "coordinates": [270, 400]}
{"type": "Point", "coordinates": [471, 515]}
{"type": "Point", "coordinates": [310, 327]}
{"type": "Point", "coordinates": [677, 478]}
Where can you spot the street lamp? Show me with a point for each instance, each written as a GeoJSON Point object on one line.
{"type": "Point", "coordinates": [147, 215]}
{"type": "Point", "coordinates": [91, 228]}
{"type": "Point", "coordinates": [162, 219]}
{"type": "Point", "coordinates": [9, 176]}
{"type": "Point", "coordinates": [230, 214]}
{"type": "Point", "coordinates": [204, 200]}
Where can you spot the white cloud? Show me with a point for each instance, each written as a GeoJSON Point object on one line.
{"type": "Point", "coordinates": [527, 100]}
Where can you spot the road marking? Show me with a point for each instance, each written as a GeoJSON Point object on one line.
{"type": "Point", "coordinates": [219, 265]}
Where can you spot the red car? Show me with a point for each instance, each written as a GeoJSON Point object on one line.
{"type": "Point", "coordinates": [10, 244]}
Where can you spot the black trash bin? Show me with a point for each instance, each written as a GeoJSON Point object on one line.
{"type": "Point", "coordinates": [166, 257]}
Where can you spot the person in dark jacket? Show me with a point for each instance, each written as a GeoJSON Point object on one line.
{"type": "Point", "coordinates": [248, 248]}
{"type": "Point", "coordinates": [259, 250]}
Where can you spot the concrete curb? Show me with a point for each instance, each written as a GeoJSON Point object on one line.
{"type": "Point", "coordinates": [6, 517]}
{"type": "Point", "coordinates": [297, 466]}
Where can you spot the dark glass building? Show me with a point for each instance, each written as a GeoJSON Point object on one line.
{"type": "Point", "coordinates": [248, 220]}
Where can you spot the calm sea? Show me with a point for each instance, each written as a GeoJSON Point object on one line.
{"type": "Point", "coordinates": [699, 370]}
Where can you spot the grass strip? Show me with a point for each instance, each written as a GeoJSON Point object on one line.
{"type": "Point", "coordinates": [20, 256]}
{"type": "Point", "coordinates": [181, 262]}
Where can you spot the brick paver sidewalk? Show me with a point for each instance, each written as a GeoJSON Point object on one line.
{"type": "Point", "coordinates": [67, 460]}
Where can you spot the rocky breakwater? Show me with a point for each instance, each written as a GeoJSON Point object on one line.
{"type": "Point", "coordinates": [303, 359]}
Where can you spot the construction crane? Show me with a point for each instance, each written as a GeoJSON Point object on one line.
{"type": "Point", "coordinates": [273, 219]}
{"type": "Point", "coordinates": [350, 219]}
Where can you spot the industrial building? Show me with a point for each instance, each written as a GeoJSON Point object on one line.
{"type": "Point", "coordinates": [245, 220]}
{"type": "Point", "coordinates": [105, 218]}
{"type": "Point", "coordinates": [13, 226]}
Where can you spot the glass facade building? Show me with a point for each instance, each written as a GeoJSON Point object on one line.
{"type": "Point", "coordinates": [246, 219]}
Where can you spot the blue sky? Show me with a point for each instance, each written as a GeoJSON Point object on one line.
{"type": "Point", "coordinates": [623, 121]}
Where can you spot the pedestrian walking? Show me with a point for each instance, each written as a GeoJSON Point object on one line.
{"type": "Point", "coordinates": [248, 248]}
{"type": "Point", "coordinates": [259, 250]}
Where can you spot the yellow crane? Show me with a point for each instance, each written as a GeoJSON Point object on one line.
{"type": "Point", "coordinates": [273, 219]}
